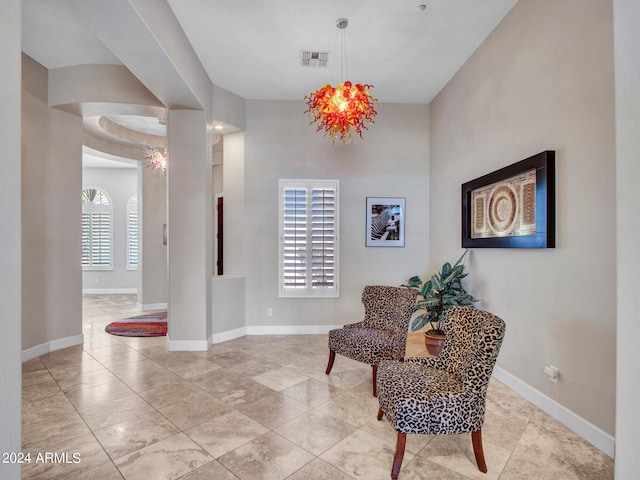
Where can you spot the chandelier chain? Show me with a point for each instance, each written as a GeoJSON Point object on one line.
{"type": "Point", "coordinates": [346, 107]}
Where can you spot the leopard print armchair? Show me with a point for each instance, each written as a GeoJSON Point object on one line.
{"type": "Point", "coordinates": [382, 335]}
{"type": "Point", "coordinates": [445, 394]}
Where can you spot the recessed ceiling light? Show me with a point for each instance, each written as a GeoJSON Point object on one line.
{"type": "Point", "coordinates": [218, 127]}
{"type": "Point", "coordinates": [421, 7]}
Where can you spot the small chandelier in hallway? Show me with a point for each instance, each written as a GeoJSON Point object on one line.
{"type": "Point", "coordinates": [157, 159]}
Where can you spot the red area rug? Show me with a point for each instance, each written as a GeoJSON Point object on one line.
{"type": "Point", "coordinates": [148, 325]}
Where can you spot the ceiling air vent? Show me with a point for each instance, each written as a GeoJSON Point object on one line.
{"type": "Point", "coordinates": [313, 59]}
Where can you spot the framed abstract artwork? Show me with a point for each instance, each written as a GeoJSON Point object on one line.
{"type": "Point", "coordinates": [385, 222]}
{"type": "Point", "coordinates": [513, 207]}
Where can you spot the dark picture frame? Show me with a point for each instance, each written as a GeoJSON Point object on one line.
{"type": "Point", "coordinates": [513, 207]}
{"type": "Point", "coordinates": [385, 222]}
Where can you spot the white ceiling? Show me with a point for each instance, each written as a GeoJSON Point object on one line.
{"type": "Point", "coordinates": [252, 47]}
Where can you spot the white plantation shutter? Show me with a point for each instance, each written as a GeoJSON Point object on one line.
{"type": "Point", "coordinates": [308, 238]}
{"type": "Point", "coordinates": [323, 234]}
{"type": "Point", "coordinates": [101, 238]}
{"type": "Point", "coordinates": [132, 233]}
{"type": "Point", "coordinates": [132, 252]}
{"type": "Point", "coordinates": [294, 241]}
{"type": "Point", "coordinates": [96, 230]}
{"type": "Point", "coordinates": [86, 239]}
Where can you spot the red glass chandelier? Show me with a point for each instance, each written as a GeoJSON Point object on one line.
{"type": "Point", "coordinates": [339, 110]}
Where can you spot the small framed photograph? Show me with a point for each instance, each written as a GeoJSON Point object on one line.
{"type": "Point", "coordinates": [385, 222]}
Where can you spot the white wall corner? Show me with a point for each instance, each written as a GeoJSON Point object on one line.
{"type": "Point", "coordinates": [592, 434]}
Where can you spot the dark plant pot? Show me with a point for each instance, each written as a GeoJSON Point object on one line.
{"type": "Point", "coordinates": [434, 342]}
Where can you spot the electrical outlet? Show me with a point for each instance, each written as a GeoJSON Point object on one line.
{"type": "Point", "coordinates": [269, 312]}
{"type": "Point", "coordinates": [552, 372]}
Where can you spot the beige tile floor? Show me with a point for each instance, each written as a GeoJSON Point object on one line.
{"type": "Point", "coordinates": [256, 408]}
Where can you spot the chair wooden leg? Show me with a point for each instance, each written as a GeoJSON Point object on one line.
{"type": "Point", "coordinates": [332, 357]}
{"type": "Point", "coordinates": [476, 439]}
{"type": "Point", "coordinates": [380, 414]}
{"type": "Point", "coordinates": [374, 372]}
{"type": "Point", "coordinates": [397, 458]}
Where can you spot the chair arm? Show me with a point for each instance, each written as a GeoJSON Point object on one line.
{"type": "Point", "coordinates": [399, 343]}
{"type": "Point", "coordinates": [434, 362]}
{"type": "Point", "coordinates": [359, 324]}
{"type": "Point", "coordinates": [399, 337]}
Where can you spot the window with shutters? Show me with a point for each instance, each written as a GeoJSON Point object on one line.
{"type": "Point", "coordinates": [97, 214]}
{"type": "Point", "coordinates": [132, 233]}
{"type": "Point", "coordinates": [308, 238]}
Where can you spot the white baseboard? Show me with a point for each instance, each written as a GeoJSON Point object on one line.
{"type": "Point", "coordinates": [108, 291]}
{"type": "Point", "coordinates": [290, 329]}
{"type": "Point", "coordinates": [228, 335]}
{"type": "Point", "coordinates": [592, 434]}
{"type": "Point", "coordinates": [199, 345]}
{"type": "Point", "coordinates": [188, 345]}
{"type": "Point", "coordinates": [272, 330]}
{"type": "Point", "coordinates": [152, 306]}
{"type": "Point", "coordinates": [51, 346]}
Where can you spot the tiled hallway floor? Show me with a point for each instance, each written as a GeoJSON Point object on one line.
{"type": "Point", "coordinates": [256, 408]}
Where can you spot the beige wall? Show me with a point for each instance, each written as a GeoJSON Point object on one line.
{"type": "Point", "coordinates": [96, 87]}
{"type": "Point", "coordinates": [51, 186]}
{"type": "Point", "coordinates": [10, 236]}
{"type": "Point", "coordinates": [542, 80]}
{"type": "Point", "coordinates": [392, 161]}
{"type": "Point", "coordinates": [627, 38]}
{"type": "Point", "coordinates": [228, 108]}
{"type": "Point", "coordinates": [234, 245]}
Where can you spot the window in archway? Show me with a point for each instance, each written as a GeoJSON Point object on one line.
{"type": "Point", "coordinates": [97, 214]}
{"type": "Point", "coordinates": [132, 233]}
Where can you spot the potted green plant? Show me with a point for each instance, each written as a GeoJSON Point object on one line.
{"type": "Point", "coordinates": [435, 296]}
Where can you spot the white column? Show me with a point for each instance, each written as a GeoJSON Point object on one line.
{"type": "Point", "coordinates": [152, 259]}
{"type": "Point", "coordinates": [626, 14]}
{"type": "Point", "coordinates": [190, 201]}
{"type": "Point", "coordinates": [10, 236]}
